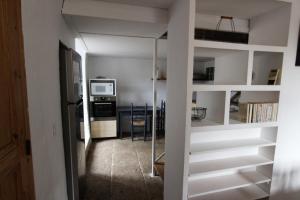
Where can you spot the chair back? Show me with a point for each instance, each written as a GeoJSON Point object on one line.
{"type": "Point", "coordinates": [139, 117]}
{"type": "Point", "coordinates": [139, 113]}
{"type": "Point", "coordinates": [131, 112]}
{"type": "Point", "coordinates": [163, 115]}
{"type": "Point", "coordinates": [164, 109]}
{"type": "Point", "coordinates": [146, 111]}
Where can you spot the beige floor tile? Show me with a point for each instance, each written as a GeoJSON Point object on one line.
{"type": "Point", "coordinates": [119, 170]}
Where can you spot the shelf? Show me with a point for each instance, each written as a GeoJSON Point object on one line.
{"type": "Point", "coordinates": [211, 185]}
{"type": "Point", "coordinates": [252, 192]}
{"type": "Point", "coordinates": [200, 126]}
{"type": "Point", "coordinates": [159, 79]}
{"type": "Point", "coordinates": [206, 122]}
{"type": "Point", "coordinates": [230, 144]}
{"type": "Point", "coordinates": [236, 163]}
{"type": "Point", "coordinates": [237, 122]}
{"type": "Point", "coordinates": [235, 46]}
{"type": "Point", "coordinates": [236, 88]}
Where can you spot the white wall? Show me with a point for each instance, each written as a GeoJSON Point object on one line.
{"type": "Point", "coordinates": [43, 27]}
{"type": "Point", "coordinates": [231, 69]}
{"type": "Point", "coordinates": [286, 177]}
{"type": "Point", "coordinates": [214, 102]}
{"type": "Point", "coordinates": [230, 66]}
{"type": "Point", "coordinates": [270, 28]}
{"type": "Point", "coordinates": [134, 84]}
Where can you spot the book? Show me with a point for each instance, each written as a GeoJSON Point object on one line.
{"type": "Point", "coordinates": [250, 112]}
{"type": "Point", "coordinates": [243, 112]}
{"type": "Point", "coordinates": [274, 77]}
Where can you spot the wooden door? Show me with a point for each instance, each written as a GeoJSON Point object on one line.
{"type": "Point", "coordinates": [16, 175]}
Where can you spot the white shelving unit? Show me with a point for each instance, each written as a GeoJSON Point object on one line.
{"type": "Point", "coordinates": [252, 192]}
{"type": "Point", "coordinates": [229, 88]}
{"type": "Point", "coordinates": [221, 165]}
{"type": "Point", "coordinates": [229, 159]}
{"type": "Point", "coordinates": [229, 144]}
{"type": "Point", "coordinates": [239, 47]}
{"type": "Point", "coordinates": [206, 125]}
{"type": "Point", "coordinates": [206, 186]}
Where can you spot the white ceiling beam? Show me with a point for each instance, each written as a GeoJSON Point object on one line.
{"type": "Point", "coordinates": [115, 11]}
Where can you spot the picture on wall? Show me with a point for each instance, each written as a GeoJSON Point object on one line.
{"type": "Point", "coordinates": [298, 51]}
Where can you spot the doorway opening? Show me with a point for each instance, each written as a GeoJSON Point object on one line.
{"type": "Point", "coordinates": [126, 81]}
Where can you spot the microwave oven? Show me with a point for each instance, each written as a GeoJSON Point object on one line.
{"type": "Point", "coordinates": [103, 87]}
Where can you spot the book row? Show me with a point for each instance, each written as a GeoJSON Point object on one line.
{"type": "Point", "coordinates": [258, 112]}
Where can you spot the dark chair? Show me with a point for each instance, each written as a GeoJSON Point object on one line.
{"type": "Point", "coordinates": [161, 119]}
{"type": "Point", "coordinates": [138, 120]}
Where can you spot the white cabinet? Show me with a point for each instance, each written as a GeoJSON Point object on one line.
{"type": "Point", "coordinates": [104, 129]}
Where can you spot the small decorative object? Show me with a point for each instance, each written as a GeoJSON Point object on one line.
{"type": "Point", "coordinates": [226, 18]}
{"type": "Point", "coordinates": [198, 113]}
{"type": "Point", "coordinates": [235, 101]}
{"type": "Point", "coordinates": [160, 76]}
{"type": "Point", "coordinates": [298, 52]}
{"type": "Point", "coordinates": [208, 76]}
{"type": "Point", "coordinates": [253, 76]}
{"type": "Point", "coordinates": [273, 77]}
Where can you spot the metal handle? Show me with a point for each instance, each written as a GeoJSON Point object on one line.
{"type": "Point", "coordinates": [28, 147]}
{"type": "Point", "coordinates": [226, 18]}
{"type": "Point", "coordinates": [103, 103]}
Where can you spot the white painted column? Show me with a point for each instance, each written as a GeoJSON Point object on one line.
{"type": "Point", "coordinates": [179, 98]}
{"type": "Point", "coordinates": [154, 75]}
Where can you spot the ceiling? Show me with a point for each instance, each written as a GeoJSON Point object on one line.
{"type": "Point", "coordinates": [117, 46]}
{"type": "Point", "coordinates": [97, 33]}
{"type": "Point", "coordinates": [244, 9]}
{"type": "Point", "coordinates": [165, 4]}
{"type": "Point", "coordinates": [94, 25]}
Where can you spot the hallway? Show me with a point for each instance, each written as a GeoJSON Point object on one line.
{"type": "Point", "coordinates": [120, 170]}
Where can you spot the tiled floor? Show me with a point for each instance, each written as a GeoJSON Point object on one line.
{"type": "Point", "coordinates": [120, 170]}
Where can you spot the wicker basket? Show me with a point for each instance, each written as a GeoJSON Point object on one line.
{"type": "Point", "coordinates": [198, 113]}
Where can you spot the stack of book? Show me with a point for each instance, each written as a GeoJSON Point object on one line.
{"type": "Point", "coordinates": [258, 112]}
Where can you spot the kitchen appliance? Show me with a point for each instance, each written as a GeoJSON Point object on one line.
{"type": "Point", "coordinates": [102, 87]}
{"type": "Point", "coordinates": [103, 108]}
{"type": "Point", "coordinates": [71, 106]}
